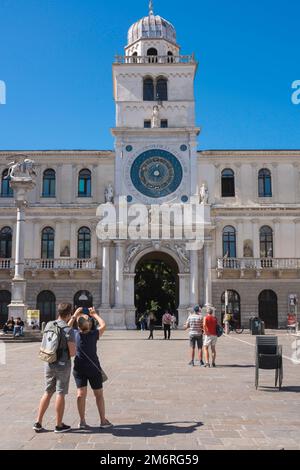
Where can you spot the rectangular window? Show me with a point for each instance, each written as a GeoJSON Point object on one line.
{"type": "Point", "coordinates": [147, 124]}
{"type": "Point", "coordinates": [164, 123]}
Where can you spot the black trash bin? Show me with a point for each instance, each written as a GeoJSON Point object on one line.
{"type": "Point", "coordinates": [256, 326]}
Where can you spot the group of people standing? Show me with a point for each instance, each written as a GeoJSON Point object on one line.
{"type": "Point", "coordinates": [149, 322]}
{"type": "Point", "coordinates": [203, 335]}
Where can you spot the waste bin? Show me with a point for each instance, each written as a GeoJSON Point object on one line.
{"type": "Point", "coordinates": [256, 326]}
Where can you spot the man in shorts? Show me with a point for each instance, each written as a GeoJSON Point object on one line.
{"type": "Point", "coordinates": [210, 336]}
{"type": "Point", "coordinates": [195, 325]}
{"type": "Point", "coordinates": [57, 374]}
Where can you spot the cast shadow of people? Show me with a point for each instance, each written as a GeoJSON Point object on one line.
{"type": "Point", "coordinates": [147, 429]}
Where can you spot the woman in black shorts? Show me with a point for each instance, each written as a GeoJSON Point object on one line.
{"type": "Point", "coordinates": [87, 365]}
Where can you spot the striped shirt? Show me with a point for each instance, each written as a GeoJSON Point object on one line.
{"type": "Point", "coordinates": [195, 324]}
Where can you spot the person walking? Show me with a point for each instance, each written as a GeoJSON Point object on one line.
{"type": "Point", "coordinates": [166, 324]}
{"type": "Point", "coordinates": [57, 374]}
{"type": "Point", "coordinates": [227, 320]}
{"type": "Point", "coordinates": [210, 336]}
{"type": "Point", "coordinates": [151, 320]}
{"type": "Point", "coordinates": [87, 368]}
{"type": "Point", "coordinates": [195, 324]}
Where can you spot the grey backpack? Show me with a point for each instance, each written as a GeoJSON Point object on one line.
{"type": "Point", "coordinates": [51, 347]}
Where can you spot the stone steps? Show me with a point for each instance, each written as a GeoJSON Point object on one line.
{"type": "Point", "coordinates": [29, 337]}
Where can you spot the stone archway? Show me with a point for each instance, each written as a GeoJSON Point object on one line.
{"type": "Point", "coordinates": [156, 284]}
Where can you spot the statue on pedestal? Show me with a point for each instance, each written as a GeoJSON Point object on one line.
{"type": "Point", "coordinates": [155, 121]}
{"type": "Point", "coordinates": [204, 195]}
{"type": "Point", "coordinates": [109, 193]}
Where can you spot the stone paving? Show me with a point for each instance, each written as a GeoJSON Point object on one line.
{"type": "Point", "coordinates": [156, 401]}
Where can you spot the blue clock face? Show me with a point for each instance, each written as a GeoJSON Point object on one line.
{"type": "Point", "coordinates": [156, 173]}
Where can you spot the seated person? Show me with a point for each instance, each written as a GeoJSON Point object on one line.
{"type": "Point", "coordinates": [9, 325]}
{"type": "Point", "coordinates": [18, 328]}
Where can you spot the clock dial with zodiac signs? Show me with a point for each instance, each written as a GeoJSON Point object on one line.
{"type": "Point", "coordinates": [156, 173]}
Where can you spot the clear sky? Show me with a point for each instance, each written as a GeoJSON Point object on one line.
{"type": "Point", "coordinates": [56, 57]}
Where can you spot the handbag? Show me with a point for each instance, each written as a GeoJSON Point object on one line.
{"type": "Point", "coordinates": [219, 330]}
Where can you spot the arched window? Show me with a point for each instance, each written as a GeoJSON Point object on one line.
{"type": "Point", "coordinates": [84, 243]}
{"type": "Point", "coordinates": [170, 57]}
{"type": "Point", "coordinates": [229, 242]}
{"type": "Point", "coordinates": [6, 190]}
{"type": "Point", "coordinates": [152, 54]}
{"type": "Point", "coordinates": [264, 183]}
{"type": "Point", "coordinates": [46, 304]}
{"type": "Point", "coordinates": [49, 183]}
{"type": "Point", "coordinates": [228, 185]}
{"type": "Point", "coordinates": [5, 299]}
{"type": "Point", "coordinates": [148, 91]}
{"type": "Point", "coordinates": [134, 55]}
{"type": "Point", "coordinates": [266, 242]}
{"type": "Point", "coordinates": [233, 307]}
{"type": "Point", "coordinates": [5, 242]}
{"type": "Point", "coordinates": [85, 183]}
{"type": "Point", "coordinates": [162, 89]}
{"type": "Point", "coordinates": [48, 236]}
{"type": "Point", "coordinates": [83, 298]}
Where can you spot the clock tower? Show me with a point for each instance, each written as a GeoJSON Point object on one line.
{"type": "Point", "coordinates": [155, 165]}
{"type": "Point", "coordinates": [156, 147]}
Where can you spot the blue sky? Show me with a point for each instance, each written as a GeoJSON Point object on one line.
{"type": "Point", "coordinates": [56, 56]}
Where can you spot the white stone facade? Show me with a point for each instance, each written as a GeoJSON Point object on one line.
{"type": "Point", "coordinates": [108, 272]}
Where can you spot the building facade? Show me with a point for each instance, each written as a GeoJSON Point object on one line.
{"type": "Point", "coordinates": [251, 208]}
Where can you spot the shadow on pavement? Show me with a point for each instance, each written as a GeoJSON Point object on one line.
{"type": "Point", "coordinates": [291, 389]}
{"type": "Point", "coordinates": [243, 366]}
{"type": "Point", "coordinates": [144, 429]}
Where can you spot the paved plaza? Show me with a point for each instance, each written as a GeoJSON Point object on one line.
{"type": "Point", "coordinates": [156, 401]}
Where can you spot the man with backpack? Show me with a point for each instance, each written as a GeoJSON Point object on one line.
{"type": "Point", "coordinates": [58, 346]}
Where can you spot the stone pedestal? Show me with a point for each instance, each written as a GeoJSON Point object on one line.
{"type": "Point", "coordinates": [18, 308]}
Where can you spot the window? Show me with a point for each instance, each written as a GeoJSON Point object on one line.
{"type": "Point", "coordinates": [148, 89]}
{"type": "Point", "coordinates": [5, 243]}
{"type": "Point", "coordinates": [147, 124]}
{"type": "Point", "coordinates": [264, 183]}
{"type": "Point", "coordinates": [228, 185]}
{"type": "Point", "coordinates": [85, 183]}
{"type": "Point", "coordinates": [155, 91]}
{"type": "Point", "coordinates": [46, 304]}
{"type": "Point", "coordinates": [84, 243]}
{"type": "Point", "coordinates": [170, 57]}
{"type": "Point", "coordinates": [164, 123]}
{"type": "Point", "coordinates": [162, 89]}
{"type": "Point", "coordinates": [49, 183]}
{"type": "Point", "coordinates": [6, 190]}
{"type": "Point", "coordinates": [134, 55]}
{"type": "Point", "coordinates": [83, 298]}
{"type": "Point", "coordinates": [48, 235]}
{"type": "Point", "coordinates": [266, 242]}
{"type": "Point", "coordinates": [229, 242]}
{"type": "Point", "coordinates": [152, 54]}
{"type": "Point", "coordinates": [233, 307]}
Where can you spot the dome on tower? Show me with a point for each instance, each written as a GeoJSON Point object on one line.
{"type": "Point", "coordinates": [152, 27]}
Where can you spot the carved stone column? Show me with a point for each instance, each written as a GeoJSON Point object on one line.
{"type": "Point", "coordinates": [105, 302]}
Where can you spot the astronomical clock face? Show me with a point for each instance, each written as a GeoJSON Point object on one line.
{"type": "Point", "coordinates": [156, 173]}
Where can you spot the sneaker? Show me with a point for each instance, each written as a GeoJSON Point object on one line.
{"type": "Point", "coordinates": [191, 363]}
{"type": "Point", "coordinates": [37, 427]}
{"type": "Point", "coordinates": [201, 363]}
{"type": "Point", "coordinates": [106, 425]}
{"type": "Point", "coordinates": [62, 428]}
{"type": "Point", "coordinates": [213, 364]}
{"type": "Point", "coordinates": [206, 365]}
{"type": "Point", "coordinates": [83, 426]}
